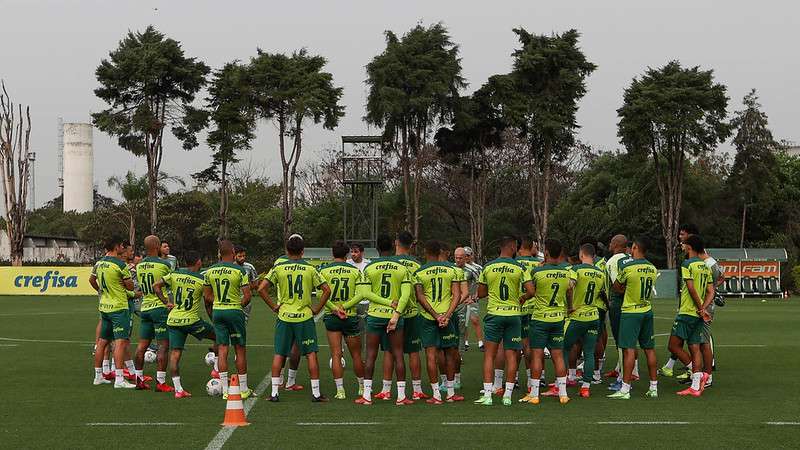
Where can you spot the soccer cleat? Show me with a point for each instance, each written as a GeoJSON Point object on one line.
{"type": "Point", "coordinates": [572, 383]}
{"type": "Point", "coordinates": [419, 396]}
{"type": "Point", "coordinates": [552, 392]}
{"type": "Point", "coordinates": [454, 398]}
{"type": "Point", "coordinates": [708, 384]}
{"type": "Point", "coordinates": [506, 401]}
{"type": "Point", "coordinates": [101, 380]}
{"type": "Point", "coordinates": [182, 394]}
{"type": "Point", "coordinates": [224, 395]}
{"type": "Point", "coordinates": [615, 386]}
{"type": "Point", "coordinates": [294, 387]}
{"type": "Point", "coordinates": [404, 402]}
{"type": "Point", "coordinates": [214, 374]}
{"type": "Point", "coordinates": [684, 376]}
{"type": "Point", "coordinates": [132, 376]}
{"type": "Point", "coordinates": [362, 401]}
{"type": "Point", "coordinates": [434, 401]}
{"type": "Point", "coordinates": [563, 400]}
{"type": "Point", "coordinates": [485, 401]}
{"type": "Point", "coordinates": [619, 395]}
{"type": "Point", "coordinates": [141, 385]}
{"type": "Point", "coordinates": [666, 372]}
{"type": "Point", "coordinates": [584, 392]}
{"type": "Point", "coordinates": [274, 398]}
{"type": "Point", "coordinates": [320, 399]}
{"type": "Point", "coordinates": [690, 391]}
{"type": "Point", "coordinates": [164, 387]}
{"type": "Point", "coordinates": [579, 374]}
{"type": "Point", "coordinates": [248, 393]}
{"type": "Point", "coordinates": [110, 376]}
{"type": "Point", "coordinates": [596, 381]}
{"type": "Point", "coordinates": [634, 377]}
{"type": "Point", "coordinates": [340, 395]}
{"type": "Point", "coordinates": [611, 374]}
{"type": "Point", "coordinates": [525, 399]}
{"type": "Point", "coordinates": [124, 385]}
{"type": "Point", "coordinates": [703, 381]}
{"type": "Point", "coordinates": [651, 393]}
{"type": "Point", "coordinates": [534, 401]}
{"type": "Point", "coordinates": [383, 396]}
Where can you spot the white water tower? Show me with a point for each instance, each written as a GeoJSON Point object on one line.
{"type": "Point", "coordinates": [78, 167]}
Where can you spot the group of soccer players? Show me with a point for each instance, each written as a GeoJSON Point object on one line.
{"type": "Point", "coordinates": [555, 304]}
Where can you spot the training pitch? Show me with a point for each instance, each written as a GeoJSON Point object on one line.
{"type": "Point", "coordinates": [48, 400]}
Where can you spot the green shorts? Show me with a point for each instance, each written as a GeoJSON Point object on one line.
{"type": "Point", "coordinates": [585, 332]}
{"type": "Point", "coordinates": [505, 329]}
{"type": "Point", "coordinates": [689, 328]}
{"type": "Point", "coordinates": [434, 336]}
{"type": "Point", "coordinates": [115, 325]}
{"type": "Point", "coordinates": [348, 327]}
{"type": "Point", "coordinates": [525, 326]}
{"type": "Point", "coordinates": [547, 334]}
{"type": "Point", "coordinates": [614, 311]}
{"type": "Point", "coordinates": [636, 327]}
{"type": "Point", "coordinates": [377, 325]}
{"type": "Point", "coordinates": [229, 326]}
{"type": "Point", "coordinates": [177, 334]}
{"type": "Point", "coordinates": [153, 324]}
{"type": "Point", "coordinates": [304, 334]}
{"type": "Point", "coordinates": [412, 342]}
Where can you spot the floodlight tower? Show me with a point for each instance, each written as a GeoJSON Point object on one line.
{"type": "Point", "coordinates": [362, 178]}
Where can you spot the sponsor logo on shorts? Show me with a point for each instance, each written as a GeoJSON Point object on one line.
{"type": "Point", "coordinates": [516, 339]}
{"type": "Point", "coordinates": [592, 331]}
{"type": "Point", "coordinates": [161, 329]}
{"type": "Point", "coordinates": [558, 338]}
{"type": "Point", "coordinates": [309, 341]}
{"type": "Point", "coordinates": [118, 329]}
{"type": "Point", "coordinates": [50, 279]}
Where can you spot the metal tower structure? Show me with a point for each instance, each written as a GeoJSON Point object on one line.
{"type": "Point", "coordinates": [61, 156]}
{"type": "Point", "coordinates": [32, 181]}
{"type": "Point", "coordinates": [362, 179]}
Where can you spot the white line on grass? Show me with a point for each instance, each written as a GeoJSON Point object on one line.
{"type": "Point", "coordinates": [132, 424]}
{"type": "Point", "coordinates": [740, 345]}
{"type": "Point", "coordinates": [57, 341]}
{"type": "Point", "coordinates": [9, 345]}
{"type": "Point", "coordinates": [644, 423]}
{"type": "Point", "coordinates": [51, 313]}
{"type": "Point", "coordinates": [487, 423]}
{"type": "Point", "coordinates": [313, 424]}
{"type": "Point", "coordinates": [226, 432]}
{"type": "Point", "coordinates": [782, 423]}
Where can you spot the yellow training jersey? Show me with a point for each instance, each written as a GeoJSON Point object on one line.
{"type": "Point", "coordinates": [551, 282]}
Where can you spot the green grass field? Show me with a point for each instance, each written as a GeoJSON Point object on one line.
{"type": "Point", "coordinates": [47, 399]}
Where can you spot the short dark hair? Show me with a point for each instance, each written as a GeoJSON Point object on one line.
{"type": "Point", "coordinates": [225, 247]}
{"type": "Point", "coordinates": [383, 243]}
{"type": "Point", "coordinates": [553, 247]}
{"type": "Point", "coordinates": [587, 240]}
{"type": "Point", "coordinates": [126, 243]}
{"type": "Point", "coordinates": [357, 245]}
{"type": "Point", "coordinates": [642, 243]}
{"type": "Point", "coordinates": [696, 242]}
{"type": "Point", "coordinates": [588, 250]}
{"type": "Point", "coordinates": [339, 249]}
{"type": "Point", "coordinates": [506, 240]}
{"type": "Point", "coordinates": [295, 245]}
{"type": "Point", "coordinates": [445, 246]}
{"type": "Point", "coordinates": [526, 243]}
{"type": "Point", "coordinates": [164, 241]}
{"type": "Point", "coordinates": [689, 228]}
{"type": "Point", "coordinates": [112, 242]}
{"type": "Point", "coordinates": [433, 247]}
{"type": "Point", "coordinates": [191, 257]}
{"type": "Point", "coordinates": [405, 238]}
{"type": "Point", "coordinates": [239, 249]}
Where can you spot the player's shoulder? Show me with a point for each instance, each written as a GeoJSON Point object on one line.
{"type": "Point", "coordinates": [499, 262]}
{"type": "Point", "coordinates": [155, 260]}
{"type": "Point", "coordinates": [340, 267]}
{"type": "Point", "coordinates": [186, 272]}
{"type": "Point", "coordinates": [114, 262]}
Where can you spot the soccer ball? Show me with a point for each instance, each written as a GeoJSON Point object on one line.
{"type": "Point", "coordinates": [149, 356]}
{"type": "Point", "coordinates": [330, 362]}
{"type": "Point", "coordinates": [210, 357]}
{"type": "Point", "coordinates": [214, 387]}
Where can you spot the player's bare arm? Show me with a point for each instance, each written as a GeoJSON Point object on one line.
{"type": "Point", "coordinates": [246, 295]}
{"type": "Point", "coordinates": [326, 293]}
{"type": "Point", "coordinates": [93, 282]}
{"type": "Point", "coordinates": [158, 288]}
{"type": "Point", "coordinates": [263, 292]}
{"type": "Point", "coordinates": [423, 301]}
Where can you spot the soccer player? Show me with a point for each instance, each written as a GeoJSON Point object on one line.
{"type": "Point", "coordinates": [617, 247]}
{"type": "Point", "coordinates": [636, 280]}
{"type": "Point", "coordinates": [112, 279]}
{"type": "Point", "coordinates": [294, 357]}
{"type": "Point", "coordinates": [252, 274]}
{"type": "Point", "coordinates": [697, 293]}
{"type": "Point", "coordinates": [153, 315]}
{"type": "Point", "coordinates": [184, 318]}
{"type": "Point", "coordinates": [438, 292]}
{"type": "Point", "coordinates": [165, 255]}
{"type": "Point", "coordinates": [552, 291]}
{"type": "Point", "coordinates": [472, 272]}
{"type": "Point", "coordinates": [389, 288]}
{"type": "Point", "coordinates": [295, 281]}
{"type": "Point", "coordinates": [226, 287]}
{"type": "Point", "coordinates": [588, 285]}
{"type": "Point", "coordinates": [707, 347]}
{"type": "Point", "coordinates": [529, 261]}
{"type": "Point", "coordinates": [502, 281]}
{"type": "Point", "coordinates": [340, 317]}
{"type": "Point", "coordinates": [357, 256]}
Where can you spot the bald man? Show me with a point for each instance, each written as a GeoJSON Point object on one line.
{"type": "Point", "coordinates": [617, 246]}
{"type": "Point", "coordinates": [153, 315]}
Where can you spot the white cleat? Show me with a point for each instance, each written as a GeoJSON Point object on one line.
{"type": "Point", "coordinates": [124, 385]}
{"type": "Point", "coordinates": [99, 381]}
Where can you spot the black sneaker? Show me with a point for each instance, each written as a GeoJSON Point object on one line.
{"type": "Point", "coordinates": [320, 399]}
{"type": "Point", "coordinates": [274, 399]}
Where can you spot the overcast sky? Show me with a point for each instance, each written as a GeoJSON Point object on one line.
{"type": "Point", "coordinates": [49, 51]}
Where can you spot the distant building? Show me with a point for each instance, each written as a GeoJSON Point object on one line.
{"type": "Point", "coordinates": [793, 150]}
{"type": "Point", "coordinates": [42, 249]}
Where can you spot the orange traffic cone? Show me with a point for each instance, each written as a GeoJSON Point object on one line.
{"type": "Point", "coordinates": [234, 410]}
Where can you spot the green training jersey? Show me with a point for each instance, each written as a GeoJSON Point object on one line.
{"type": "Point", "coordinates": [529, 263]}
{"type": "Point", "coordinates": [551, 282]}
{"type": "Point", "coordinates": [226, 280]}
{"type": "Point", "coordinates": [411, 263]}
{"type": "Point", "coordinates": [590, 282]}
{"type": "Point", "coordinates": [600, 263]}
{"type": "Point", "coordinates": [696, 270]}
{"type": "Point", "coordinates": [149, 272]}
{"type": "Point", "coordinates": [342, 279]}
{"type": "Point", "coordinates": [504, 278]}
{"type": "Point", "coordinates": [111, 273]}
{"type": "Point", "coordinates": [386, 277]}
{"type": "Point", "coordinates": [295, 281]}
{"type": "Point", "coordinates": [187, 292]}
{"type": "Point", "coordinates": [437, 279]}
{"type": "Point", "coordinates": [639, 277]}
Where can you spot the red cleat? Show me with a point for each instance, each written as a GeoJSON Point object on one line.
{"type": "Point", "coordinates": [434, 401]}
{"type": "Point", "coordinates": [403, 402]}
{"type": "Point", "coordinates": [703, 382]}
{"type": "Point", "coordinates": [362, 401]}
{"type": "Point", "coordinates": [383, 396]}
{"type": "Point", "coordinates": [634, 377]}
{"type": "Point", "coordinates": [214, 374]}
{"type": "Point", "coordinates": [182, 394]}
{"type": "Point", "coordinates": [455, 398]}
{"type": "Point", "coordinates": [578, 374]}
{"type": "Point", "coordinates": [294, 387]}
{"type": "Point", "coordinates": [553, 392]}
{"type": "Point", "coordinates": [141, 385]}
{"type": "Point", "coordinates": [584, 392]}
{"type": "Point", "coordinates": [690, 391]}
{"type": "Point", "coordinates": [419, 396]}
{"type": "Point", "coordinates": [164, 387]}
{"type": "Point", "coordinates": [110, 376]}
{"type": "Point", "coordinates": [572, 383]}
{"type": "Point", "coordinates": [611, 374]}
{"type": "Point", "coordinates": [128, 376]}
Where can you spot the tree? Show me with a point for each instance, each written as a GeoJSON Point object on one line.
{"type": "Point", "coordinates": [549, 78]}
{"type": "Point", "coordinates": [150, 85]}
{"type": "Point", "coordinates": [754, 172]}
{"type": "Point", "coordinates": [135, 191]}
{"type": "Point", "coordinates": [673, 113]}
{"type": "Point", "coordinates": [231, 113]}
{"type": "Point", "coordinates": [15, 136]}
{"type": "Point", "coordinates": [413, 85]}
{"type": "Point", "coordinates": [288, 90]}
